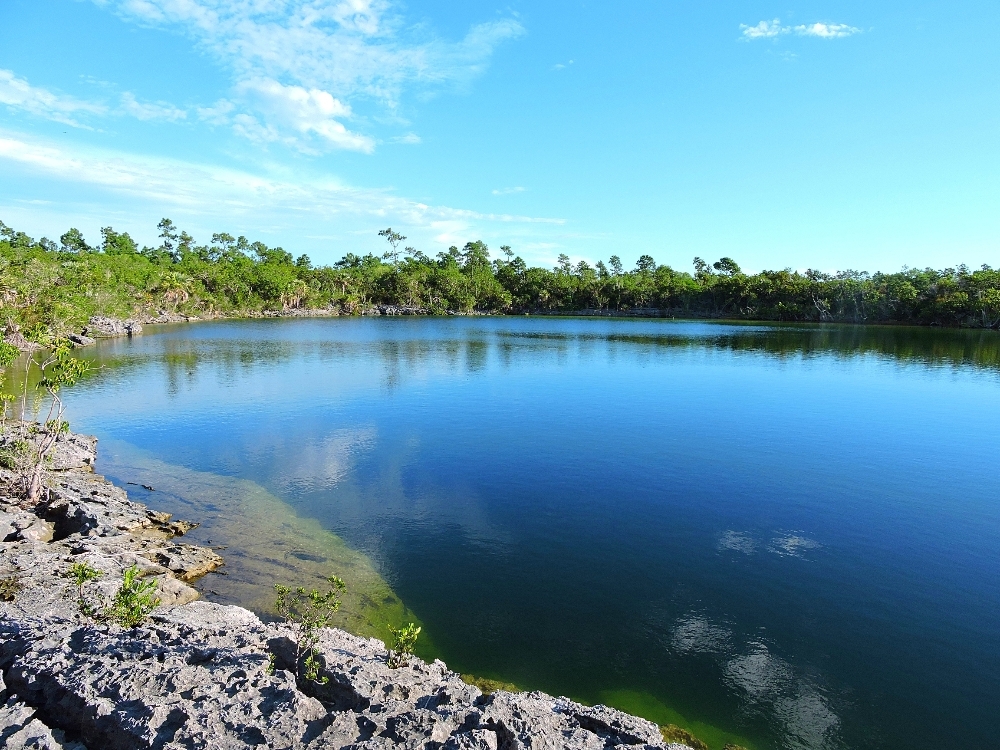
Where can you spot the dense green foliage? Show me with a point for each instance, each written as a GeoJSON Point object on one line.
{"type": "Point", "coordinates": [61, 286]}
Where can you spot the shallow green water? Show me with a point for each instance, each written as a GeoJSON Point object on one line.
{"type": "Point", "coordinates": [783, 536]}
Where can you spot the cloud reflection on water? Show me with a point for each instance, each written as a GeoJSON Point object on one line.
{"type": "Point", "coordinates": [765, 683]}
{"type": "Point", "coordinates": [784, 543]}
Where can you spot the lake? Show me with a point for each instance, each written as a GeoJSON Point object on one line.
{"type": "Point", "coordinates": [775, 535]}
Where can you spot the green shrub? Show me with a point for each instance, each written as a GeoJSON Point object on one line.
{"type": "Point", "coordinates": [307, 612]}
{"type": "Point", "coordinates": [81, 573]}
{"type": "Point", "coordinates": [8, 354]}
{"type": "Point", "coordinates": [404, 639]}
{"type": "Point", "coordinates": [16, 455]}
{"type": "Point", "coordinates": [134, 600]}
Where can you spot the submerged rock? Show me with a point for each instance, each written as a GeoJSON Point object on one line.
{"type": "Point", "coordinates": [203, 675]}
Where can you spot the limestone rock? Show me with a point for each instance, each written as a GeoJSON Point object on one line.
{"type": "Point", "coordinates": [74, 452]}
{"type": "Point", "coordinates": [172, 592]}
{"type": "Point", "coordinates": [186, 561]}
{"type": "Point", "coordinates": [20, 730]}
{"type": "Point", "coordinates": [38, 531]}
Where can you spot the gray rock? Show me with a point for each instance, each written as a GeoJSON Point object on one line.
{"type": "Point", "coordinates": [38, 531]}
{"type": "Point", "coordinates": [79, 339]}
{"type": "Point", "coordinates": [101, 326]}
{"type": "Point", "coordinates": [8, 526]}
{"type": "Point", "coordinates": [393, 310]}
{"type": "Point", "coordinates": [172, 592]}
{"type": "Point", "coordinates": [474, 739]}
{"type": "Point", "coordinates": [20, 730]}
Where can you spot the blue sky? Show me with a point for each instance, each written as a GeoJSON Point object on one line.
{"type": "Point", "coordinates": [827, 135]}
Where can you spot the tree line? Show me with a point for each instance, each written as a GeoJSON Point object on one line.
{"type": "Point", "coordinates": [60, 285]}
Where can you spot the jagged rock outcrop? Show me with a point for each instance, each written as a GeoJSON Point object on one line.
{"type": "Point", "coordinates": [203, 675]}
{"type": "Point", "coordinates": [101, 326]}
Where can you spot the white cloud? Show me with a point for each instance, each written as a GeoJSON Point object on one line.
{"type": "Point", "coordinates": [772, 29]}
{"type": "Point", "coordinates": [304, 112]}
{"type": "Point", "coordinates": [150, 111]}
{"type": "Point", "coordinates": [19, 94]}
{"type": "Point", "coordinates": [410, 139]}
{"type": "Point", "coordinates": [764, 29]}
{"type": "Point", "coordinates": [508, 191]}
{"type": "Point", "coordinates": [827, 30]}
{"type": "Point", "coordinates": [344, 50]}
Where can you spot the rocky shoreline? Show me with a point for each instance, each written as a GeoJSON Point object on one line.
{"type": "Point", "coordinates": [198, 674]}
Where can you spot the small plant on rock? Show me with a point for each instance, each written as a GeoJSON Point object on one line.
{"type": "Point", "coordinates": [307, 612]}
{"type": "Point", "coordinates": [82, 573]}
{"type": "Point", "coordinates": [59, 369]}
{"type": "Point", "coordinates": [404, 639]}
{"type": "Point", "coordinates": [134, 600]}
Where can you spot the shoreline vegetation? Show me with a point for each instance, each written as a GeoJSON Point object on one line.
{"type": "Point", "coordinates": [50, 289]}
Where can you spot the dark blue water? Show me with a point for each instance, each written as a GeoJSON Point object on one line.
{"type": "Point", "coordinates": [787, 536]}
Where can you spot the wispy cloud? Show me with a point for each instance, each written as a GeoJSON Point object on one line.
{"type": "Point", "coordinates": [508, 190]}
{"type": "Point", "coordinates": [200, 189]}
{"type": "Point", "coordinates": [17, 93]}
{"type": "Point", "coordinates": [341, 50]}
{"type": "Point", "coordinates": [774, 28]}
{"type": "Point", "coordinates": [150, 110]}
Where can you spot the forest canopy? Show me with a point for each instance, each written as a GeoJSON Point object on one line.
{"type": "Point", "coordinates": [59, 286]}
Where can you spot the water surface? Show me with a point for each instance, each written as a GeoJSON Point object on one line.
{"type": "Point", "coordinates": [785, 536]}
